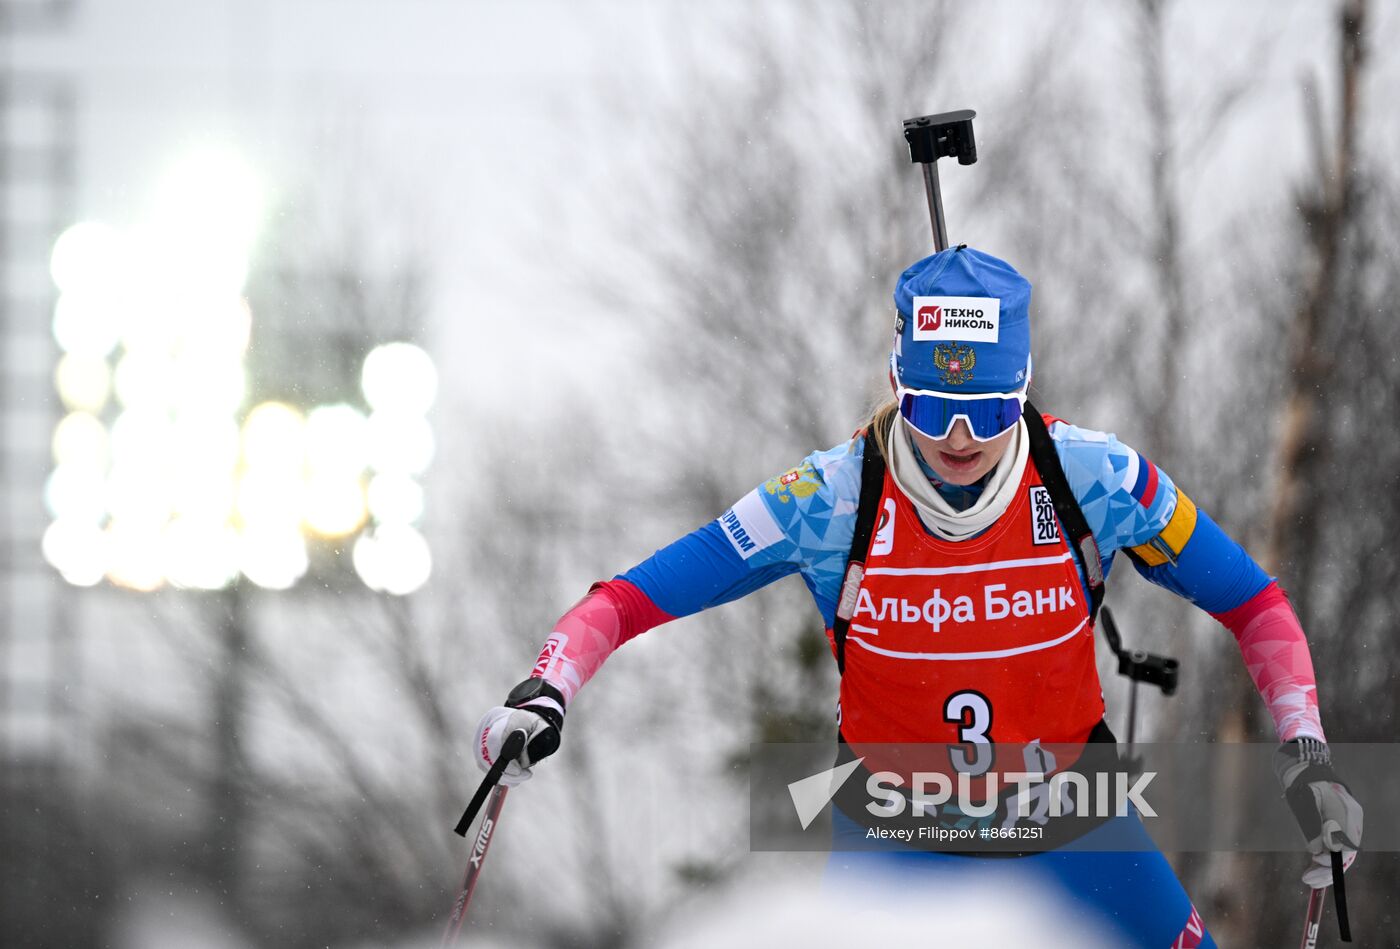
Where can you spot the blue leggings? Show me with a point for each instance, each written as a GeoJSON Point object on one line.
{"type": "Point", "coordinates": [1133, 893]}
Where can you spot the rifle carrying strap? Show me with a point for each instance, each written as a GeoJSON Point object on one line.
{"type": "Point", "coordinates": [1052, 476]}
{"type": "Point", "coordinates": [872, 485]}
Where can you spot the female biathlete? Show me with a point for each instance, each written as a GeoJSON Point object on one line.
{"type": "Point", "coordinates": [964, 505]}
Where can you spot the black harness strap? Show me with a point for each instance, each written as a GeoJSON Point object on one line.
{"type": "Point", "coordinates": [1052, 475]}
{"type": "Point", "coordinates": [872, 485]}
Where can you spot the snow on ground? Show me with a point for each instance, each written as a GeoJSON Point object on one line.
{"type": "Point", "coordinates": [806, 914]}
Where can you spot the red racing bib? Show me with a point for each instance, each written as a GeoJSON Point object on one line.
{"type": "Point", "coordinates": [980, 640]}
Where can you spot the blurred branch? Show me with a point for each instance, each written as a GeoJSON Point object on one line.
{"type": "Point", "coordinates": [1325, 206]}
{"type": "Point", "coordinates": [1164, 249]}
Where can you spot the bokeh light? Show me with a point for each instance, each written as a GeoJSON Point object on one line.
{"type": "Point", "coordinates": [151, 325]}
{"type": "Point", "coordinates": [399, 377]}
{"type": "Point", "coordinates": [217, 327]}
{"type": "Point", "coordinates": [273, 559]}
{"type": "Point", "coordinates": [393, 558]}
{"type": "Point", "coordinates": [199, 554]}
{"type": "Point", "coordinates": [87, 322]}
{"type": "Point", "coordinates": [206, 216]}
{"type": "Point", "coordinates": [83, 382]}
{"type": "Point", "coordinates": [335, 441]}
{"type": "Point", "coordinates": [203, 496]}
{"type": "Point", "coordinates": [270, 501]}
{"type": "Point", "coordinates": [395, 499]}
{"type": "Point", "coordinates": [206, 441]}
{"type": "Point", "coordinates": [139, 496]}
{"type": "Point", "coordinates": [89, 256]}
{"type": "Point", "coordinates": [80, 440]}
{"type": "Point", "coordinates": [217, 385]}
{"type": "Point", "coordinates": [136, 556]}
{"type": "Point", "coordinates": [76, 494]}
{"type": "Point", "coordinates": [274, 439]}
{"type": "Point", "coordinates": [144, 379]}
{"type": "Point", "coordinates": [399, 442]}
{"type": "Point", "coordinates": [335, 505]}
{"type": "Point", "coordinates": [77, 549]}
{"type": "Point", "coordinates": [160, 475]}
{"type": "Point", "coordinates": [143, 440]}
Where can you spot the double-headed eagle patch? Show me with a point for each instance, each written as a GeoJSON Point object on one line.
{"type": "Point", "coordinates": [802, 482]}
{"type": "Point", "coordinates": [955, 362]}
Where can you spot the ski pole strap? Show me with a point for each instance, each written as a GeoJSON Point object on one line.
{"type": "Point", "coordinates": [872, 485]}
{"type": "Point", "coordinates": [1339, 895]}
{"type": "Point", "coordinates": [510, 750]}
{"type": "Point", "coordinates": [1317, 766]}
{"type": "Point", "coordinates": [1080, 537]}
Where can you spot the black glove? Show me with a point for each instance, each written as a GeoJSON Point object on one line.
{"type": "Point", "coordinates": [1330, 817]}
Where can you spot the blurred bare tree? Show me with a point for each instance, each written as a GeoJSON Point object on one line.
{"type": "Point", "coordinates": [1333, 504]}
{"type": "Point", "coordinates": [764, 251]}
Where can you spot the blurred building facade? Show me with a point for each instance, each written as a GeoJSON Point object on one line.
{"type": "Point", "coordinates": [40, 733]}
{"type": "Point", "coordinates": [37, 187]}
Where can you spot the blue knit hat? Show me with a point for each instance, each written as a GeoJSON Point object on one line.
{"type": "Point", "coordinates": [963, 324]}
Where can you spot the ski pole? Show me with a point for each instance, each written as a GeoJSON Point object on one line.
{"type": "Point", "coordinates": [931, 137]}
{"type": "Point", "coordinates": [483, 840]}
{"type": "Point", "coordinates": [490, 787]}
{"type": "Point", "coordinates": [1317, 903]}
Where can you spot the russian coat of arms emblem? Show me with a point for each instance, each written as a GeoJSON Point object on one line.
{"type": "Point", "coordinates": [955, 362]}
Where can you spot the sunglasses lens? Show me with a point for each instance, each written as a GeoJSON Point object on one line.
{"type": "Point", "coordinates": [934, 415]}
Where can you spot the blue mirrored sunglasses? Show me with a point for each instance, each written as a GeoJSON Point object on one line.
{"type": "Point", "coordinates": [934, 413]}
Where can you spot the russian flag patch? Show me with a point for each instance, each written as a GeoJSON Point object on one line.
{"type": "Point", "coordinates": [1142, 479]}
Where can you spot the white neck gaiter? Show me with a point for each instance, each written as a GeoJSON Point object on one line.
{"type": "Point", "coordinates": [936, 513]}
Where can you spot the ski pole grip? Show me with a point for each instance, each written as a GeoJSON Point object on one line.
{"type": "Point", "coordinates": [510, 750]}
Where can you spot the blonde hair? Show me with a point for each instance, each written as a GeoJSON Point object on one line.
{"type": "Point", "coordinates": [881, 424]}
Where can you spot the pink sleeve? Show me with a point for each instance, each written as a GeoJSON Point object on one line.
{"type": "Point", "coordinates": [611, 613]}
{"type": "Point", "coordinates": [1276, 654]}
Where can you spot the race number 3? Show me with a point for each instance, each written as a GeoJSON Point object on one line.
{"type": "Point", "coordinates": [972, 713]}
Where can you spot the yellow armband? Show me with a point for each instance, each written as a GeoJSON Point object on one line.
{"type": "Point", "coordinates": [1167, 545]}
